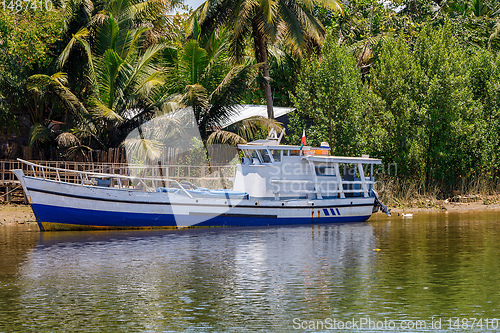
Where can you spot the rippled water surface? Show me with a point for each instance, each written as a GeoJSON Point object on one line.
{"type": "Point", "coordinates": [431, 267]}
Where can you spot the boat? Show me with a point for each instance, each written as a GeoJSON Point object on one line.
{"type": "Point", "coordinates": [275, 184]}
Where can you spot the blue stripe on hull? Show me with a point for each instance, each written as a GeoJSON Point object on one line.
{"type": "Point", "coordinates": [85, 217]}
{"type": "Point", "coordinates": [225, 221]}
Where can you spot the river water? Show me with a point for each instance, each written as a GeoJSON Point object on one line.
{"type": "Point", "coordinates": [418, 274]}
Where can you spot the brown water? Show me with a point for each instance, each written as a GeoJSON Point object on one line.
{"type": "Point", "coordinates": [434, 268]}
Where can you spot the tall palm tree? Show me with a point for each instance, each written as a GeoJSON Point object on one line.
{"type": "Point", "coordinates": [124, 73]}
{"type": "Point", "coordinates": [263, 22]}
{"type": "Point", "coordinates": [83, 17]}
{"type": "Point", "coordinates": [207, 83]}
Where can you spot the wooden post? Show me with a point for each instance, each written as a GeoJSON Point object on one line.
{"type": "Point", "coordinates": [8, 196]}
{"type": "Point", "coordinates": [203, 174]}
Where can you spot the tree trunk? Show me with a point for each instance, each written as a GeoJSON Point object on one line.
{"type": "Point", "coordinates": [259, 41]}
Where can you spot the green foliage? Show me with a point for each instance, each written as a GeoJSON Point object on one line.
{"type": "Point", "coordinates": [438, 96]}
{"type": "Point", "coordinates": [28, 38]}
{"type": "Point", "coordinates": [26, 47]}
{"type": "Point", "coordinates": [332, 103]}
{"type": "Point", "coordinates": [431, 107]}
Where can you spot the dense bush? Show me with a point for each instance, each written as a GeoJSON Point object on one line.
{"type": "Point", "coordinates": [431, 107]}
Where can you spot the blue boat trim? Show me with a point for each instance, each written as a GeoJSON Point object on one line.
{"type": "Point", "coordinates": [89, 218]}
{"type": "Point", "coordinates": [188, 204]}
{"type": "Point", "coordinates": [326, 212]}
{"type": "Point", "coordinates": [235, 215]}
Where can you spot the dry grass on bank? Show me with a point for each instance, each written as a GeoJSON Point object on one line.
{"type": "Point", "coordinates": [400, 193]}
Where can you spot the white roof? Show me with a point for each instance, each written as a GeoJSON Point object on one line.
{"type": "Point", "coordinates": [248, 110]}
{"type": "Point", "coordinates": [342, 159]}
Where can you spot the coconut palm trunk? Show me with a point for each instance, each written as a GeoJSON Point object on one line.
{"type": "Point", "coordinates": [291, 22]}
{"type": "Point", "coordinates": [260, 46]}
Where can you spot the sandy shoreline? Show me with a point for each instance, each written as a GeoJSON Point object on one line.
{"type": "Point", "coordinates": [19, 214]}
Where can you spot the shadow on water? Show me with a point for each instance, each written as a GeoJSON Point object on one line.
{"type": "Point", "coordinates": [233, 279]}
{"type": "Point", "coordinates": [17, 243]}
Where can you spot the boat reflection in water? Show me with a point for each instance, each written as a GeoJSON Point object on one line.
{"type": "Point", "coordinates": [193, 278]}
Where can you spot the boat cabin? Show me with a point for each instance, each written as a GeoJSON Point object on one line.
{"type": "Point", "coordinates": [270, 170]}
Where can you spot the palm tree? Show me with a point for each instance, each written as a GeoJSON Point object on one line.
{"type": "Point", "coordinates": [83, 17]}
{"type": "Point", "coordinates": [207, 83]}
{"type": "Point", "coordinates": [263, 22]}
{"type": "Point", "coordinates": [124, 75]}
{"type": "Point", "coordinates": [51, 100]}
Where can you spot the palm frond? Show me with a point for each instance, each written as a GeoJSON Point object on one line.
{"type": "Point", "coordinates": [100, 110]}
{"type": "Point", "coordinates": [107, 36]}
{"type": "Point", "coordinates": [225, 137]}
{"type": "Point", "coordinates": [39, 133]}
{"type": "Point", "coordinates": [139, 67]}
{"type": "Point", "coordinates": [73, 151]}
{"type": "Point", "coordinates": [42, 84]}
{"type": "Point", "coordinates": [194, 60]}
{"type": "Point", "coordinates": [77, 38]}
{"type": "Point", "coordinates": [238, 79]}
{"type": "Point", "coordinates": [268, 8]}
{"type": "Point", "coordinates": [144, 149]}
{"type": "Point", "coordinates": [195, 95]}
{"type": "Point", "coordinates": [334, 5]}
{"type": "Point", "coordinates": [67, 139]}
{"type": "Point", "coordinates": [146, 85]}
{"type": "Point", "coordinates": [76, 11]}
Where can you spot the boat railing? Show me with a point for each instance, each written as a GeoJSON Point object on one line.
{"type": "Point", "coordinates": [152, 177]}
{"type": "Point", "coordinates": [330, 187]}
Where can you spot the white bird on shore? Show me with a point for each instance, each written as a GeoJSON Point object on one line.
{"type": "Point", "coordinates": [407, 215]}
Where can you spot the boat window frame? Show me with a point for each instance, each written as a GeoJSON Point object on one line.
{"type": "Point", "coordinates": [259, 156]}
{"type": "Point", "coordinates": [272, 155]}
{"type": "Point", "coordinates": [323, 167]}
{"type": "Point", "coordinates": [271, 160]}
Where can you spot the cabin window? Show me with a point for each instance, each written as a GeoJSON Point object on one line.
{"type": "Point", "coordinates": [255, 154]}
{"type": "Point", "coordinates": [350, 172]}
{"type": "Point", "coordinates": [294, 152]}
{"type": "Point", "coordinates": [276, 155]}
{"type": "Point", "coordinates": [325, 171]}
{"type": "Point", "coordinates": [265, 156]}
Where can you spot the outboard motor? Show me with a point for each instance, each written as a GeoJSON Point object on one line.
{"type": "Point", "coordinates": [378, 204]}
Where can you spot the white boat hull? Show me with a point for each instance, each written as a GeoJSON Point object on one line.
{"type": "Point", "coordinates": [67, 206]}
